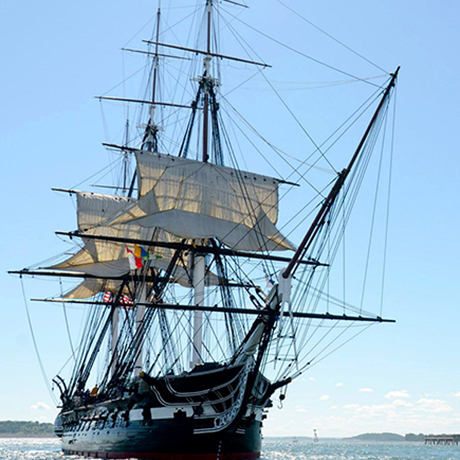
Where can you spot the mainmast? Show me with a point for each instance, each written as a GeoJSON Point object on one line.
{"type": "Point", "coordinates": [140, 329]}
{"type": "Point", "coordinates": [199, 265]}
{"type": "Point", "coordinates": [207, 82]}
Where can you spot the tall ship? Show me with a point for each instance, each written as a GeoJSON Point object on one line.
{"type": "Point", "coordinates": [199, 306]}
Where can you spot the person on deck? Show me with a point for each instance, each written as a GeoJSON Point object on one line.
{"type": "Point", "coordinates": [94, 392]}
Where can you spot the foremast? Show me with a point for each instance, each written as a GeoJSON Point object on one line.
{"type": "Point", "coordinates": [149, 143]}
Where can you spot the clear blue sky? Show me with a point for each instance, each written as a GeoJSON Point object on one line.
{"type": "Point", "coordinates": [403, 377]}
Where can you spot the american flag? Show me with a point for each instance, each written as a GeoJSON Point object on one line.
{"type": "Point", "coordinates": [126, 301]}
{"type": "Point", "coordinates": [107, 297]}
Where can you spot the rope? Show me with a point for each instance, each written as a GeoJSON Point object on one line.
{"type": "Point", "coordinates": [390, 177]}
{"type": "Point", "coordinates": [330, 353]}
{"type": "Point", "coordinates": [29, 320]}
{"type": "Point", "coordinates": [286, 105]}
{"type": "Point", "coordinates": [376, 194]}
{"type": "Point", "coordinates": [303, 54]}
{"type": "Point", "coordinates": [330, 36]}
{"type": "Point", "coordinates": [67, 321]}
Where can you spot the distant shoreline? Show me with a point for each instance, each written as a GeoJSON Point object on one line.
{"type": "Point", "coordinates": [366, 437]}
{"type": "Point", "coordinates": [267, 438]}
{"type": "Point", "coordinates": [35, 430]}
{"type": "Point", "coordinates": [27, 436]}
{"type": "Point", "coordinates": [22, 429]}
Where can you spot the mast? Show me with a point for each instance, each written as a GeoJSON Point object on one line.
{"type": "Point", "coordinates": [207, 83]}
{"type": "Point", "coordinates": [152, 145]}
{"type": "Point", "coordinates": [140, 315]}
{"type": "Point", "coordinates": [126, 159]}
{"type": "Point", "coordinates": [199, 261]}
{"type": "Point", "coordinates": [198, 284]}
{"type": "Point", "coordinates": [152, 138]}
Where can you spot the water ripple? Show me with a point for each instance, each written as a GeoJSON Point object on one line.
{"type": "Point", "coordinates": [50, 449]}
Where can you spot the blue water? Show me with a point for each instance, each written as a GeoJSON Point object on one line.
{"type": "Point", "coordinates": [336, 450]}
{"type": "Point", "coordinates": [49, 449]}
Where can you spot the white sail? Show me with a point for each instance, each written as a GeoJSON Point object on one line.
{"type": "Point", "coordinates": [110, 259]}
{"type": "Point", "coordinates": [90, 287]}
{"type": "Point", "coordinates": [93, 209]}
{"type": "Point", "coordinates": [196, 200]}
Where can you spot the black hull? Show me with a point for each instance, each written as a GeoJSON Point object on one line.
{"type": "Point", "coordinates": [201, 415]}
{"type": "Point", "coordinates": [165, 440]}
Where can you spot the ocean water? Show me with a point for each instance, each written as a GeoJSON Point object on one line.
{"type": "Point", "coordinates": [337, 450]}
{"type": "Point", "coordinates": [49, 449]}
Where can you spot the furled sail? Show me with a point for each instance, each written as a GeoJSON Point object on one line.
{"type": "Point", "coordinates": [196, 200]}
{"type": "Point", "coordinates": [107, 259]}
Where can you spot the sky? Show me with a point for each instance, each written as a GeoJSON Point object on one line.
{"type": "Point", "coordinates": [401, 377]}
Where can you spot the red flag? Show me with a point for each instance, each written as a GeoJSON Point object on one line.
{"type": "Point", "coordinates": [134, 262]}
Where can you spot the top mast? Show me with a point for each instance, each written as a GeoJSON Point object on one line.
{"type": "Point", "coordinates": [152, 137]}
{"type": "Point", "coordinates": [207, 83]}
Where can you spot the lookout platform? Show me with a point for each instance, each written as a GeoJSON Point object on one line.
{"type": "Point", "coordinates": [445, 439]}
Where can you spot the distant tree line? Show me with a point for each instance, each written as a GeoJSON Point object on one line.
{"type": "Point", "coordinates": [411, 437]}
{"type": "Point", "coordinates": [26, 429]}
{"type": "Point", "coordinates": [388, 437]}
